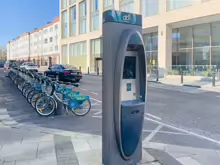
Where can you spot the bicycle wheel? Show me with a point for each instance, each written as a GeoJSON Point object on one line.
{"type": "Point", "coordinates": [16, 80]}
{"type": "Point", "coordinates": [81, 109]}
{"type": "Point", "coordinates": [45, 106]}
{"type": "Point", "coordinates": [28, 91]}
{"type": "Point", "coordinates": [24, 90]}
{"type": "Point", "coordinates": [30, 94]}
{"type": "Point", "coordinates": [20, 83]}
{"type": "Point", "coordinates": [35, 97]}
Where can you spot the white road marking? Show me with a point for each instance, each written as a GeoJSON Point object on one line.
{"type": "Point", "coordinates": [83, 89]}
{"type": "Point", "coordinates": [94, 93]}
{"type": "Point", "coordinates": [185, 131]}
{"type": "Point", "coordinates": [95, 99]}
{"type": "Point", "coordinates": [97, 113]}
{"type": "Point", "coordinates": [167, 132]}
{"type": "Point", "coordinates": [153, 116]}
{"type": "Point", "coordinates": [95, 110]}
{"type": "Point", "coordinates": [95, 104]}
{"type": "Point", "coordinates": [173, 127]}
{"type": "Point", "coordinates": [152, 134]}
{"type": "Point", "coordinates": [97, 116]}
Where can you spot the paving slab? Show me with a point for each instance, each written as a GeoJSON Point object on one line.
{"type": "Point", "coordinates": [65, 152]}
{"type": "Point", "coordinates": [18, 151]}
{"type": "Point", "coordinates": [95, 143]}
{"type": "Point", "coordinates": [93, 157]}
{"type": "Point", "coordinates": [188, 161]}
{"type": "Point", "coordinates": [163, 157]}
{"type": "Point", "coordinates": [207, 157]}
{"type": "Point", "coordinates": [51, 160]}
{"type": "Point", "coordinates": [46, 149]}
{"type": "Point", "coordinates": [80, 145]}
{"type": "Point", "coordinates": [9, 163]}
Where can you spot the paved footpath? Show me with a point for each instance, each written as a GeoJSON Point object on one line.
{"type": "Point", "coordinates": [40, 146]}
{"type": "Point", "coordinates": [28, 147]}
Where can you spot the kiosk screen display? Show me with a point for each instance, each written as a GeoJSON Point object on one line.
{"type": "Point", "coordinates": [129, 71]}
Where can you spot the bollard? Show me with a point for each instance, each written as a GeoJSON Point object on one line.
{"type": "Point", "coordinates": [213, 79]}
{"type": "Point", "coordinates": [97, 71]}
{"type": "Point", "coordinates": [88, 70]}
{"type": "Point", "coordinates": [181, 72]}
{"type": "Point", "coordinates": [218, 74]}
{"type": "Point", "coordinates": [60, 109]}
{"type": "Point", "coordinates": [157, 75]}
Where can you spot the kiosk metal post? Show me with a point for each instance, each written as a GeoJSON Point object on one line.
{"type": "Point", "coordinates": [124, 88]}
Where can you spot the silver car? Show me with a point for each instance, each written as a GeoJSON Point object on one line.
{"type": "Point", "coordinates": [29, 66]}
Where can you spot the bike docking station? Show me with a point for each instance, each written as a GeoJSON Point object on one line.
{"type": "Point", "coordinates": [124, 88]}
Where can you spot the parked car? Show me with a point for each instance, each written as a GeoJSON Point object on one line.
{"type": "Point", "coordinates": [29, 66]}
{"type": "Point", "coordinates": [9, 63]}
{"type": "Point", "coordinates": [65, 73]}
{"type": "Point", "coordinates": [2, 64]}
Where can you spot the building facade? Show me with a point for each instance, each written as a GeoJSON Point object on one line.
{"type": "Point", "coordinates": [40, 46]}
{"type": "Point", "coordinates": [176, 33]}
{"type": "Point", "coordinates": [19, 48]}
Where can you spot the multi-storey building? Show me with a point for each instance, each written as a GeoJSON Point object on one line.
{"type": "Point", "coordinates": [40, 46]}
{"type": "Point", "coordinates": [175, 32]}
{"type": "Point", "coordinates": [19, 48]}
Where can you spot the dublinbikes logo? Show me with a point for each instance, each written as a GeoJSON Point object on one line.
{"type": "Point", "coordinates": [127, 17]}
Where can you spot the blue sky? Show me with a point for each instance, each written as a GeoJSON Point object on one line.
{"type": "Point", "coordinates": [19, 16]}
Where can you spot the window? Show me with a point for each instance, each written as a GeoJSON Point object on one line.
{"type": "Point", "coordinates": [108, 4]}
{"type": "Point", "coordinates": [51, 39]}
{"type": "Point", "coordinates": [45, 40]}
{"type": "Point", "coordinates": [64, 25]}
{"type": "Point", "coordinates": [45, 31]}
{"type": "Point", "coordinates": [56, 47]}
{"type": "Point", "coordinates": [51, 29]}
{"type": "Point", "coordinates": [73, 21]}
{"type": "Point", "coordinates": [81, 47]}
{"type": "Point", "coordinates": [95, 15]}
{"type": "Point", "coordinates": [72, 2]}
{"type": "Point", "coordinates": [82, 15]}
{"type": "Point", "coordinates": [151, 41]}
{"type": "Point", "coordinates": [63, 4]}
{"type": "Point", "coordinates": [201, 56]}
{"type": "Point", "coordinates": [64, 50]}
{"type": "Point", "coordinates": [216, 56]}
{"type": "Point", "coordinates": [185, 37]}
{"type": "Point", "coordinates": [151, 45]}
{"type": "Point", "coordinates": [176, 4]}
{"type": "Point", "coordinates": [150, 7]}
{"type": "Point", "coordinates": [73, 49]}
{"type": "Point", "coordinates": [202, 35]}
{"type": "Point", "coordinates": [56, 27]}
{"type": "Point", "coordinates": [127, 6]}
{"type": "Point", "coordinates": [215, 34]}
{"type": "Point", "coordinates": [96, 47]}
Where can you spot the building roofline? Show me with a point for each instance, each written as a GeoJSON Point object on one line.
{"type": "Point", "coordinates": [55, 20]}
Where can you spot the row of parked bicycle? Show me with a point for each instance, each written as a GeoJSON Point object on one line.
{"type": "Point", "coordinates": [43, 93]}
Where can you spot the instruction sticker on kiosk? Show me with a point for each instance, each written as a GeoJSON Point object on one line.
{"type": "Point", "coordinates": [129, 87]}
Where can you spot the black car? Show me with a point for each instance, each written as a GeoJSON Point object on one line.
{"type": "Point", "coordinates": [65, 73]}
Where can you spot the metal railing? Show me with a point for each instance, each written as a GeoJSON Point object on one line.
{"type": "Point", "coordinates": [192, 70]}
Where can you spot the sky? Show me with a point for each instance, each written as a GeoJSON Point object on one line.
{"type": "Point", "coordinates": [19, 16]}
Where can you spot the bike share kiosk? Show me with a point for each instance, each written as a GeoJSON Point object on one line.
{"type": "Point", "coordinates": [124, 88]}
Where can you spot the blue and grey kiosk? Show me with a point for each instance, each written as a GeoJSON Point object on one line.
{"type": "Point", "coordinates": [124, 88]}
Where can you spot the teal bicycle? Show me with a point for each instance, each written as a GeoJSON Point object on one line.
{"type": "Point", "coordinates": [73, 101]}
